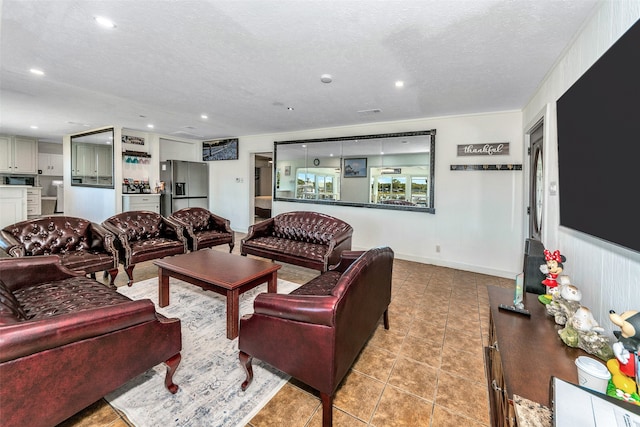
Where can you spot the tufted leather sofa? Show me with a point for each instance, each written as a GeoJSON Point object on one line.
{"type": "Point", "coordinates": [203, 229]}
{"type": "Point", "coordinates": [82, 245]}
{"type": "Point", "coordinates": [144, 235]}
{"type": "Point", "coordinates": [309, 239]}
{"type": "Point", "coordinates": [67, 340]}
{"type": "Point", "coordinates": [316, 332]}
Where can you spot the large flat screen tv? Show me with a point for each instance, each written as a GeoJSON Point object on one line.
{"type": "Point", "coordinates": [599, 146]}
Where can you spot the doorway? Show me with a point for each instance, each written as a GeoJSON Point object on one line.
{"type": "Point", "coordinates": [536, 181]}
{"type": "Point", "coordinates": [263, 186]}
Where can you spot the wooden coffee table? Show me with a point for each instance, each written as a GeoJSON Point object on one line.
{"type": "Point", "coordinates": [220, 272]}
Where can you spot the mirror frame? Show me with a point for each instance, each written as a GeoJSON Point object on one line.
{"type": "Point", "coordinates": [73, 145]}
{"type": "Point", "coordinates": [431, 175]}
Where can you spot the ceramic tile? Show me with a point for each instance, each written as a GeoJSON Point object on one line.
{"type": "Point", "coordinates": [443, 418]}
{"type": "Point", "coordinates": [462, 396]}
{"type": "Point", "coordinates": [415, 378]}
{"type": "Point", "coordinates": [399, 408]}
{"type": "Point", "coordinates": [375, 362]}
{"type": "Point", "coordinates": [422, 350]}
{"type": "Point", "coordinates": [358, 395]}
{"type": "Point", "coordinates": [290, 406]}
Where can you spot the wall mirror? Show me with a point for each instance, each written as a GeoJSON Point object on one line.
{"type": "Point", "coordinates": [92, 159]}
{"type": "Point", "coordinates": [386, 171]}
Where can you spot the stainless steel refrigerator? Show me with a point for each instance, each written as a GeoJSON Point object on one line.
{"type": "Point", "coordinates": [186, 184]}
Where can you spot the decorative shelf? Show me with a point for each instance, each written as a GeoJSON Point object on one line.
{"type": "Point", "coordinates": [495, 167]}
{"type": "Point", "coordinates": [141, 154]}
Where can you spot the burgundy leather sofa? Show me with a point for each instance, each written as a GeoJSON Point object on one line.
{"type": "Point", "coordinates": [67, 340]}
{"type": "Point", "coordinates": [316, 332]}
{"type": "Point", "coordinates": [82, 245]}
{"type": "Point", "coordinates": [144, 235]}
{"type": "Point", "coordinates": [308, 239]}
{"type": "Point", "coordinates": [204, 229]}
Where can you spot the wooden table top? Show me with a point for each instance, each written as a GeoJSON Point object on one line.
{"type": "Point", "coordinates": [530, 347]}
{"type": "Point", "coordinates": [223, 269]}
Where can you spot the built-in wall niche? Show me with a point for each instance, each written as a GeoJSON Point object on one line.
{"type": "Point", "coordinates": [92, 159]}
{"type": "Point", "coordinates": [385, 171]}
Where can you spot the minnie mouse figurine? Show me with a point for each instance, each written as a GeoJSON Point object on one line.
{"type": "Point", "coordinates": [552, 268]}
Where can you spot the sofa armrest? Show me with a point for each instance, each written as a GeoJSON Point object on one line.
{"type": "Point", "coordinates": [219, 223]}
{"type": "Point", "coordinates": [29, 337]}
{"type": "Point", "coordinates": [316, 309]}
{"type": "Point", "coordinates": [103, 239]}
{"type": "Point", "coordinates": [25, 271]}
{"type": "Point", "coordinates": [260, 229]}
{"type": "Point", "coordinates": [11, 245]}
{"type": "Point", "coordinates": [346, 259]}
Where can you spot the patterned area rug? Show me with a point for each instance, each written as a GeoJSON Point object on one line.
{"type": "Point", "coordinates": [209, 375]}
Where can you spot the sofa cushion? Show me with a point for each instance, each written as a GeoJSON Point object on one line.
{"type": "Point", "coordinates": [138, 225]}
{"type": "Point", "coordinates": [295, 248]}
{"type": "Point", "coordinates": [321, 285]}
{"type": "Point", "coordinates": [307, 228]}
{"type": "Point", "coordinates": [82, 260]}
{"type": "Point", "coordinates": [52, 236]}
{"type": "Point", "coordinates": [10, 309]}
{"type": "Point", "coordinates": [65, 296]}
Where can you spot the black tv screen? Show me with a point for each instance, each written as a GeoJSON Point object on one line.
{"type": "Point", "coordinates": [599, 146]}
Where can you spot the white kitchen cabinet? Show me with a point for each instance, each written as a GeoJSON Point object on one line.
{"type": "Point", "coordinates": [13, 204]}
{"type": "Point", "coordinates": [34, 202]}
{"type": "Point", "coordinates": [50, 164]}
{"type": "Point", "coordinates": [18, 155]}
{"type": "Point", "coordinates": [141, 202]}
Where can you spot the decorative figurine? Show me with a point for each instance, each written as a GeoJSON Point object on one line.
{"type": "Point", "coordinates": [582, 331]}
{"type": "Point", "coordinates": [552, 269]}
{"type": "Point", "coordinates": [627, 348]}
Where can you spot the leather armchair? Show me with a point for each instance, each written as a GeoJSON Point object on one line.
{"type": "Point", "coordinates": [67, 340]}
{"type": "Point", "coordinates": [203, 229]}
{"type": "Point", "coordinates": [143, 236]}
{"type": "Point", "coordinates": [316, 332]}
{"type": "Point", "coordinates": [308, 239]}
{"type": "Point", "coordinates": [82, 245]}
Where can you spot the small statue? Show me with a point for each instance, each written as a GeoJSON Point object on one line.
{"type": "Point", "coordinates": [582, 331]}
{"type": "Point", "coordinates": [552, 269]}
{"type": "Point", "coordinates": [564, 301]}
{"type": "Point", "coordinates": [628, 337]}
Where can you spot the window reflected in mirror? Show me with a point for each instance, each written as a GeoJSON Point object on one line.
{"type": "Point", "coordinates": [92, 159]}
{"type": "Point", "coordinates": [388, 171]}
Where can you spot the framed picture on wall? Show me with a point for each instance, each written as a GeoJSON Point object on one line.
{"type": "Point", "coordinates": [221, 149]}
{"type": "Point", "coordinates": [355, 168]}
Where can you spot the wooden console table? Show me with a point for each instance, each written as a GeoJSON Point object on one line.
{"type": "Point", "coordinates": [524, 353]}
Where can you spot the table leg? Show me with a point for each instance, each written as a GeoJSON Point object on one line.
{"type": "Point", "coordinates": [233, 313]}
{"type": "Point", "coordinates": [163, 287]}
{"type": "Point", "coordinates": [272, 283]}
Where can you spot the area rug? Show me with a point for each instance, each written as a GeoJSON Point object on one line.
{"type": "Point", "coordinates": [209, 375]}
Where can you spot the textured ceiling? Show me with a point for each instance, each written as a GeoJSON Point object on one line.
{"type": "Point", "coordinates": [244, 62]}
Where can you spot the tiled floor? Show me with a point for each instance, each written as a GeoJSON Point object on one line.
{"type": "Point", "coordinates": [426, 370]}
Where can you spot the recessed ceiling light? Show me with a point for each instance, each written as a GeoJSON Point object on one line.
{"type": "Point", "coordinates": [399, 83]}
{"type": "Point", "coordinates": [150, 126]}
{"type": "Point", "coordinates": [33, 127]}
{"type": "Point", "coordinates": [326, 78]}
{"type": "Point", "coordinates": [290, 108]}
{"type": "Point", "coordinates": [37, 72]}
{"type": "Point", "coordinates": [204, 116]}
{"type": "Point", "coordinates": [104, 22]}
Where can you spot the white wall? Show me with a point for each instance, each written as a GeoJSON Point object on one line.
{"type": "Point", "coordinates": [608, 276]}
{"type": "Point", "coordinates": [479, 214]}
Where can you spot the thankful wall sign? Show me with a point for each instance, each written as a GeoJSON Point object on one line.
{"type": "Point", "coordinates": [493, 149]}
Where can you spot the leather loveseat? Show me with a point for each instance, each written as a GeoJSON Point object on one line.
{"type": "Point", "coordinates": [82, 245]}
{"type": "Point", "coordinates": [67, 340]}
{"type": "Point", "coordinates": [308, 239]}
{"type": "Point", "coordinates": [143, 236]}
{"type": "Point", "coordinates": [204, 229]}
{"type": "Point", "coordinates": [316, 332]}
